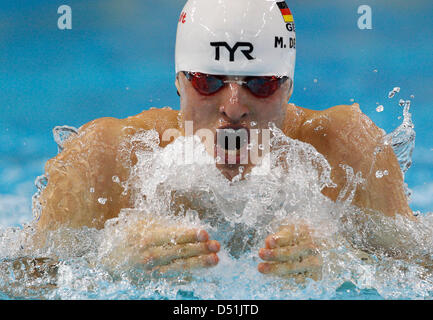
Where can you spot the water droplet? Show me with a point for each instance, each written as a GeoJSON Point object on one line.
{"type": "Point", "coordinates": [379, 174]}
{"type": "Point", "coordinates": [61, 134]}
{"type": "Point", "coordinates": [375, 70]}
{"type": "Point", "coordinates": [261, 147]}
{"type": "Point", "coordinates": [41, 182]}
{"type": "Point", "coordinates": [115, 179]}
{"type": "Point", "coordinates": [379, 108]}
{"type": "Point", "coordinates": [102, 200]}
{"type": "Point", "coordinates": [392, 93]}
{"type": "Point", "coordinates": [377, 150]}
{"type": "Point", "coordinates": [249, 146]}
{"type": "Point", "coordinates": [92, 190]}
{"type": "Point", "coordinates": [385, 172]}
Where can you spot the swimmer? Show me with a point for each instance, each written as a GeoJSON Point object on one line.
{"type": "Point", "coordinates": [235, 65]}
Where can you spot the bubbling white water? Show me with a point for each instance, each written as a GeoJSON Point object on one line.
{"type": "Point", "coordinates": [390, 256]}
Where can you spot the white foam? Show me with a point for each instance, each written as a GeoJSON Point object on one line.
{"type": "Point", "coordinates": [239, 214]}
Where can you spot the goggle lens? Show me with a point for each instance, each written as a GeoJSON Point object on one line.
{"type": "Point", "coordinates": [206, 84]}
{"type": "Point", "coordinates": [261, 87]}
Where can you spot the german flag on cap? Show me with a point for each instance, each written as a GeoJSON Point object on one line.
{"type": "Point", "coordinates": [285, 11]}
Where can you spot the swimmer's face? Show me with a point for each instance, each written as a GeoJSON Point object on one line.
{"type": "Point", "coordinates": [234, 106]}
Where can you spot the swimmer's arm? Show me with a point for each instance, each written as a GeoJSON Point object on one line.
{"type": "Point", "coordinates": [85, 180]}
{"type": "Point", "coordinates": [81, 175]}
{"type": "Point", "coordinates": [353, 139]}
{"type": "Point", "coordinates": [345, 136]}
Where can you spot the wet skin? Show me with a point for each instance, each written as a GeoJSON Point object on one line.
{"type": "Point", "coordinates": [90, 160]}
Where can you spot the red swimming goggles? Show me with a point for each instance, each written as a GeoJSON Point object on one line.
{"type": "Point", "coordinates": [261, 87]}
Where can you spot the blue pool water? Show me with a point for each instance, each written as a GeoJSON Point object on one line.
{"type": "Point", "coordinates": [118, 60]}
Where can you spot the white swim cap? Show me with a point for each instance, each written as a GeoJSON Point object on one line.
{"type": "Point", "coordinates": [236, 37]}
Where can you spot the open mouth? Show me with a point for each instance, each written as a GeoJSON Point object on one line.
{"type": "Point", "coordinates": [231, 143]}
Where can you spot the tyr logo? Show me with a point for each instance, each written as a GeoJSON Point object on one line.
{"type": "Point", "coordinates": [247, 45]}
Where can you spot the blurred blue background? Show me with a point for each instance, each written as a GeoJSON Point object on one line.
{"type": "Point", "coordinates": [118, 60]}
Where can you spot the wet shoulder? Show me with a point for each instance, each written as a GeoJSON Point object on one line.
{"type": "Point", "coordinates": [113, 130]}
{"type": "Point", "coordinates": [165, 121]}
{"type": "Point", "coordinates": [341, 131]}
{"type": "Point", "coordinates": [159, 119]}
{"type": "Point", "coordinates": [341, 120]}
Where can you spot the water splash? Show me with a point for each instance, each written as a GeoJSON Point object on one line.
{"type": "Point", "coordinates": [392, 93]}
{"type": "Point", "coordinates": [62, 134]}
{"type": "Point", "coordinates": [367, 252]}
{"type": "Point", "coordinates": [40, 183]}
{"type": "Point", "coordinates": [379, 108]}
{"type": "Point", "coordinates": [402, 140]}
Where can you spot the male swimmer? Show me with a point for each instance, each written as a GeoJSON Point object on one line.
{"type": "Point", "coordinates": [235, 63]}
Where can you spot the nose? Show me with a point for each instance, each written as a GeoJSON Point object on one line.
{"type": "Point", "coordinates": [233, 106]}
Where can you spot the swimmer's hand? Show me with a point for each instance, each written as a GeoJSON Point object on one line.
{"type": "Point", "coordinates": [178, 249]}
{"type": "Point", "coordinates": [292, 253]}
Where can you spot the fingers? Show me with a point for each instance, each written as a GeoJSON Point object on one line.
{"type": "Point", "coordinates": [165, 254]}
{"type": "Point", "coordinates": [291, 252]}
{"type": "Point", "coordinates": [288, 253]}
{"type": "Point", "coordinates": [310, 267]}
{"type": "Point", "coordinates": [174, 248]}
{"type": "Point", "coordinates": [204, 261]}
{"type": "Point", "coordinates": [173, 235]}
{"type": "Point", "coordinates": [288, 236]}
